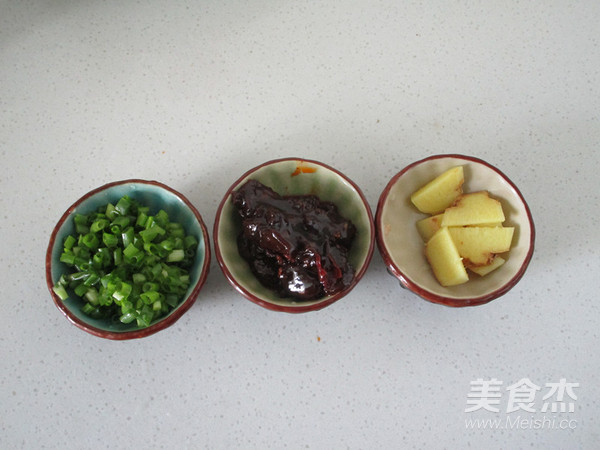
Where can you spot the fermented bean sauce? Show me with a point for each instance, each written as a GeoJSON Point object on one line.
{"type": "Point", "coordinates": [296, 245]}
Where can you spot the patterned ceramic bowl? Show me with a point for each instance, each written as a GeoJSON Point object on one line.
{"type": "Point", "coordinates": [293, 176]}
{"type": "Point", "coordinates": [156, 196]}
{"type": "Point", "coordinates": [402, 247]}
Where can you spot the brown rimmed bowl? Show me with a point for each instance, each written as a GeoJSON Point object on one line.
{"type": "Point", "coordinates": [402, 247]}
{"type": "Point", "coordinates": [293, 176]}
{"type": "Point", "coordinates": [156, 196]}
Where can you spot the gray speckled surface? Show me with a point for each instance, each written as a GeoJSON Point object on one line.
{"type": "Point", "coordinates": [193, 94]}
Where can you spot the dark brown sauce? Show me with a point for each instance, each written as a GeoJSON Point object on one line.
{"type": "Point", "coordinates": [296, 245]}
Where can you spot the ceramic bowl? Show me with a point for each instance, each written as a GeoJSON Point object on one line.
{"type": "Point", "coordinates": [402, 247]}
{"type": "Point", "coordinates": [156, 196]}
{"type": "Point", "coordinates": [291, 176]}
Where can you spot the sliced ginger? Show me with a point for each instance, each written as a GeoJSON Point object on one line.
{"type": "Point", "coordinates": [464, 230]}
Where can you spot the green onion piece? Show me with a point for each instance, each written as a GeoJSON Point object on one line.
{"type": "Point", "coordinates": [80, 290]}
{"type": "Point", "coordinates": [91, 295]}
{"type": "Point", "coordinates": [90, 240]}
{"type": "Point", "coordinates": [101, 258]}
{"type": "Point", "coordinates": [150, 297]}
{"type": "Point", "coordinates": [92, 279]}
{"type": "Point", "coordinates": [127, 317]}
{"type": "Point", "coordinates": [155, 250]}
{"type": "Point", "coordinates": [123, 291]}
{"type": "Point", "coordinates": [141, 219]}
{"type": "Point", "coordinates": [161, 218]}
{"type": "Point", "coordinates": [131, 251]}
{"type": "Point", "coordinates": [121, 221]}
{"type": "Point", "coordinates": [145, 317]}
{"type": "Point", "coordinates": [62, 280]}
{"type": "Point", "coordinates": [149, 234]}
{"type": "Point", "coordinates": [149, 222]}
{"type": "Point", "coordinates": [89, 309]}
{"type": "Point", "coordinates": [111, 211]}
{"type": "Point", "coordinates": [149, 286]}
{"type": "Point", "coordinates": [190, 242]}
{"type": "Point", "coordinates": [118, 256]}
{"type": "Point", "coordinates": [70, 241]}
{"type": "Point", "coordinates": [60, 291]}
{"type": "Point", "coordinates": [99, 225]}
{"type": "Point", "coordinates": [110, 240]}
{"type": "Point", "coordinates": [156, 270]}
{"type": "Point", "coordinates": [123, 205]}
{"type": "Point", "coordinates": [79, 276]}
{"type": "Point", "coordinates": [176, 230]}
{"type": "Point", "coordinates": [81, 223]}
{"type": "Point", "coordinates": [81, 263]}
{"type": "Point", "coordinates": [167, 244]}
{"type": "Point", "coordinates": [67, 258]}
{"type": "Point", "coordinates": [138, 278]}
{"type": "Point", "coordinates": [171, 300]}
{"type": "Point", "coordinates": [128, 236]}
{"type": "Point", "coordinates": [175, 255]}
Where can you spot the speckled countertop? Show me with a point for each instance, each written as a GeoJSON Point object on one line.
{"type": "Point", "coordinates": [194, 93]}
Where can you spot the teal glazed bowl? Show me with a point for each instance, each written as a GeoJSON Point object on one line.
{"type": "Point", "coordinates": [156, 196]}
{"type": "Point", "coordinates": [293, 176]}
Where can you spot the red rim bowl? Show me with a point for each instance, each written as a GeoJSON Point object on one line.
{"type": "Point", "coordinates": [402, 247]}
{"type": "Point", "coordinates": [157, 196]}
{"type": "Point", "coordinates": [293, 176]}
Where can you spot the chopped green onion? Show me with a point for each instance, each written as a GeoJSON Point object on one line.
{"type": "Point", "coordinates": [150, 297]}
{"type": "Point", "coordinates": [149, 286]}
{"type": "Point", "coordinates": [123, 205]}
{"type": "Point", "coordinates": [70, 241]}
{"type": "Point", "coordinates": [176, 255]}
{"type": "Point", "coordinates": [99, 224]}
{"type": "Point", "coordinates": [190, 242]}
{"type": "Point", "coordinates": [122, 292]}
{"type": "Point", "coordinates": [121, 221]}
{"type": "Point", "coordinates": [60, 291]}
{"type": "Point", "coordinates": [128, 236]}
{"type": "Point", "coordinates": [89, 309]}
{"type": "Point", "coordinates": [81, 223]}
{"type": "Point", "coordinates": [141, 219]}
{"type": "Point", "coordinates": [90, 240]}
{"type": "Point", "coordinates": [101, 258]}
{"type": "Point", "coordinates": [67, 258]}
{"type": "Point", "coordinates": [110, 240]}
{"type": "Point", "coordinates": [168, 244]}
{"type": "Point", "coordinates": [127, 318]}
{"type": "Point", "coordinates": [155, 250]}
{"type": "Point", "coordinates": [162, 218]}
{"type": "Point", "coordinates": [81, 290]}
{"type": "Point", "coordinates": [111, 211]}
{"type": "Point", "coordinates": [126, 265]}
{"type": "Point", "coordinates": [92, 279]}
{"type": "Point", "coordinates": [149, 234]}
{"type": "Point", "coordinates": [91, 296]}
{"type": "Point", "coordinates": [138, 278]}
{"type": "Point", "coordinates": [118, 256]}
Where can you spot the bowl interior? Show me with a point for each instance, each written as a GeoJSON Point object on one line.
{"type": "Point", "coordinates": [405, 247]}
{"type": "Point", "coordinates": [156, 198]}
{"type": "Point", "coordinates": [285, 178]}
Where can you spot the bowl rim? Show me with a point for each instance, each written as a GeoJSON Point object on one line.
{"type": "Point", "coordinates": [405, 280]}
{"type": "Point", "coordinates": [300, 307]}
{"type": "Point", "coordinates": [161, 324]}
